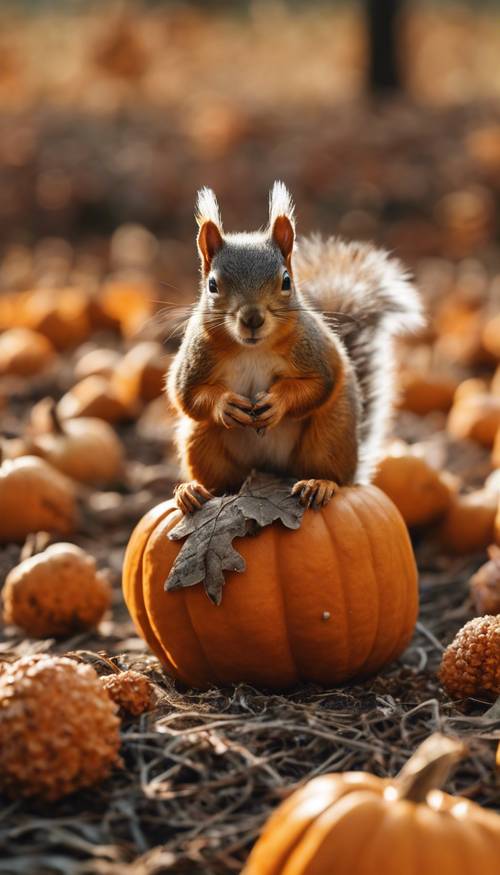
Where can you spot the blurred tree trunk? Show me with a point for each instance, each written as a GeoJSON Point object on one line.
{"type": "Point", "coordinates": [384, 18]}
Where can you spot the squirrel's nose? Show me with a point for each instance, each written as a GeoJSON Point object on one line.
{"type": "Point", "coordinates": [252, 317]}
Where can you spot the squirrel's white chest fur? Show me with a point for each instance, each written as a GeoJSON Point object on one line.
{"type": "Point", "coordinates": [251, 372]}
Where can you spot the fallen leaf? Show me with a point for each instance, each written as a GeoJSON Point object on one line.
{"type": "Point", "coordinates": [208, 550]}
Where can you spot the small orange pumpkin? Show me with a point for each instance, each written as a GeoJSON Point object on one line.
{"type": "Point", "coordinates": [34, 497]}
{"type": "Point", "coordinates": [476, 417]}
{"type": "Point", "coordinates": [424, 393]}
{"type": "Point", "coordinates": [140, 375]}
{"type": "Point", "coordinates": [469, 523]}
{"type": "Point", "coordinates": [24, 352]}
{"type": "Point", "coordinates": [420, 493]}
{"type": "Point", "coordinates": [94, 397]}
{"type": "Point", "coordinates": [354, 823]}
{"type": "Point", "coordinates": [86, 449]}
{"type": "Point", "coordinates": [334, 599]}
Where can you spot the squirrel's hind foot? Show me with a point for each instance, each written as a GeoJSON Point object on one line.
{"type": "Point", "coordinates": [191, 496]}
{"type": "Point", "coordinates": [315, 493]}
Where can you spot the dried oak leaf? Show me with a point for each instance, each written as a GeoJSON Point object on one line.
{"type": "Point", "coordinates": [208, 550]}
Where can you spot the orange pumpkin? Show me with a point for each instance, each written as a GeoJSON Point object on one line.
{"type": "Point", "coordinates": [469, 524]}
{"type": "Point", "coordinates": [334, 599]}
{"type": "Point", "coordinates": [354, 823]}
{"type": "Point", "coordinates": [420, 493]}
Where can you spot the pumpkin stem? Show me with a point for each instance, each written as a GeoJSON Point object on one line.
{"type": "Point", "coordinates": [55, 421]}
{"type": "Point", "coordinates": [429, 767]}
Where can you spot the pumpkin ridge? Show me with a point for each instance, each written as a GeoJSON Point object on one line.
{"type": "Point", "coordinates": [366, 848]}
{"type": "Point", "coordinates": [346, 511]}
{"type": "Point", "coordinates": [156, 583]}
{"type": "Point", "coordinates": [282, 590]}
{"type": "Point", "coordinates": [361, 508]}
{"type": "Point", "coordinates": [340, 810]}
{"type": "Point", "coordinates": [133, 591]}
{"type": "Point", "coordinates": [372, 566]}
{"type": "Point", "coordinates": [345, 611]}
{"type": "Point", "coordinates": [345, 601]}
{"type": "Point", "coordinates": [214, 674]}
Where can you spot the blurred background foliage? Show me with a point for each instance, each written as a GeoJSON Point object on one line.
{"type": "Point", "coordinates": [116, 112]}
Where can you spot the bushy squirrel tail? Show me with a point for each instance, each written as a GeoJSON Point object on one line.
{"type": "Point", "coordinates": [367, 298]}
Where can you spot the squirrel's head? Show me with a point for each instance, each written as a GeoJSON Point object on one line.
{"type": "Point", "coordinates": [247, 285]}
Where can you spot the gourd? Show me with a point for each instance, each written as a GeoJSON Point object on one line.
{"type": "Point", "coordinates": [93, 396]}
{"type": "Point", "coordinates": [86, 448]}
{"type": "Point", "coordinates": [471, 663]}
{"type": "Point", "coordinates": [476, 417]}
{"type": "Point", "coordinates": [354, 823]}
{"type": "Point", "coordinates": [420, 493]}
{"type": "Point", "coordinates": [140, 375]}
{"type": "Point", "coordinates": [55, 593]}
{"type": "Point", "coordinates": [24, 352]}
{"type": "Point", "coordinates": [334, 599]}
{"type": "Point", "coordinates": [59, 730]}
{"type": "Point", "coordinates": [469, 524]}
{"type": "Point", "coordinates": [34, 497]}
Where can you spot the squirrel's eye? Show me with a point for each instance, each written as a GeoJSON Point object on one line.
{"type": "Point", "coordinates": [212, 286]}
{"type": "Point", "coordinates": [286, 283]}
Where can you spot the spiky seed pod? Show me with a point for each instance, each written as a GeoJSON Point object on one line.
{"type": "Point", "coordinates": [471, 663]}
{"type": "Point", "coordinates": [131, 691]}
{"type": "Point", "coordinates": [59, 730]}
{"type": "Point", "coordinates": [55, 593]}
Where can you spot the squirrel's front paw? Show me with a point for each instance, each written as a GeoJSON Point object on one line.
{"type": "Point", "coordinates": [315, 493]}
{"type": "Point", "coordinates": [191, 496]}
{"type": "Point", "coordinates": [268, 410]}
{"type": "Point", "coordinates": [234, 411]}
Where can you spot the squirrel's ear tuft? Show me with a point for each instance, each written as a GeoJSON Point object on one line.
{"type": "Point", "coordinates": [210, 224]}
{"type": "Point", "coordinates": [207, 208]}
{"type": "Point", "coordinates": [281, 218]}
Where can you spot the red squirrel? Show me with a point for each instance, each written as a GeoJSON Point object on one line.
{"type": "Point", "coordinates": [287, 359]}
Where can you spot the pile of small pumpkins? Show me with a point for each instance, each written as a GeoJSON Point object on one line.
{"type": "Point", "coordinates": [356, 613]}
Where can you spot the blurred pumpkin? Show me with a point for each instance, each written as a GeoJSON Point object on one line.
{"type": "Point", "coordinates": [420, 493]}
{"type": "Point", "coordinates": [55, 593]}
{"type": "Point", "coordinates": [469, 524]}
{"type": "Point", "coordinates": [129, 302]}
{"type": "Point", "coordinates": [495, 453]}
{"type": "Point", "coordinates": [25, 353]}
{"type": "Point", "coordinates": [476, 417]}
{"type": "Point", "coordinates": [86, 449]}
{"type": "Point", "coordinates": [60, 314]}
{"type": "Point", "coordinates": [100, 362]}
{"type": "Point", "coordinates": [354, 823]}
{"type": "Point", "coordinates": [473, 386]}
{"type": "Point", "coordinates": [491, 336]}
{"type": "Point", "coordinates": [485, 584]}
{"type": "Point", "coordinates": [424, 393]}
{"type": "Point", "coordinates": [140, 375]}
{"type": "Point", "coordinates": [34, 497]}
{"type": "Point", "coordinates": [93, 397]}
{"type": "Point", "coordinates": [347, 577]}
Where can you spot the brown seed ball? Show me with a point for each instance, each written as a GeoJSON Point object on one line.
{"type": "Point", "coordinates": [55, 593]}
{"type": "Point", "coordinates": [58, 728]}
{"type": "Point", "coordinates": [131, 691]}
{"type": "Point", "coordinates": [471, 663]}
